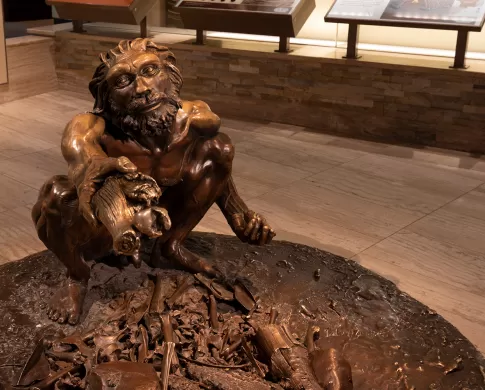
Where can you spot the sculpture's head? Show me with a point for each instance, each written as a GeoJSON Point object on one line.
{"type": "Point", "coordinates": [137, 85]}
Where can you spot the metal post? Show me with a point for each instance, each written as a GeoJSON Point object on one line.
{"type": "Point", "coordinates": [77, 26]}
{"type": "Point", "coordinates": [144, 28]}
{"type": "Point", "coordinates": [200, 37]}
{"type": "Point", "coordinates": [284, 45]}
{"type": "Point", "coordinates": [460, 51]}
{"type": "Point", "coordinates": [352, 39]}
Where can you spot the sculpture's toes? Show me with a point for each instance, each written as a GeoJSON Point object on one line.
{"type": "Point", "coordinates": [54, 315]}
{"type": "Point", "coordinates": [62, 317]}
{"type": "Point", "coordinates": [74, 318]}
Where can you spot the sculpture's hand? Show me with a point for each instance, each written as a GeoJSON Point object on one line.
{"type": "Point", "coordinates": [253, 228]}
{"type": "Point", "coordinates": [96, 172]}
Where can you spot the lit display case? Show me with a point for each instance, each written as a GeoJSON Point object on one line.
{"type": "Point", "coordinates": [282, 18]}
{"type": "Point", "coordinates": [463, 16]}
{"type": "Point", "coordinates": [109, 11]}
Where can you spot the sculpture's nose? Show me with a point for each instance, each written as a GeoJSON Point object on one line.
{"type": "Point", "coordinates": [141, 86]}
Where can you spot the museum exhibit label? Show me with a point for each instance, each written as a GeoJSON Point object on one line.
{"type": "Point", "coordinates": [281, 18]}
{"type": "Point", "coordinates": [460, 15]}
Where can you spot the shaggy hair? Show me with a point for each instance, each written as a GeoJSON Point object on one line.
{"type": "Point", "coordinates": [99, 85]}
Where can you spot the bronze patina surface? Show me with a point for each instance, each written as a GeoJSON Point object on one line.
{"type": "Point", "coordinates": [142, 163]}
{"type": "Point", "coordinates": [366, 325]}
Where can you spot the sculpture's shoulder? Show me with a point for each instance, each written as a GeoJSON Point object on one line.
{"type": "Point", "coordinates": [81, 130]}
{"type": "Point", "coordinates": [86, 123]}
{"type": "Point", "coordinates": [202, 119]}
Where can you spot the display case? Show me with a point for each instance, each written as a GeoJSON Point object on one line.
{"type": "Point", "coordinates": [463, 16]}
{"type": "Point", "coordinates": [282, 18]}
{"type": "Point", "coordinates": [109, 11]}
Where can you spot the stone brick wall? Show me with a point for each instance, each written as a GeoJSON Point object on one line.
{"type": "Point", "coordinates": [385, 102]}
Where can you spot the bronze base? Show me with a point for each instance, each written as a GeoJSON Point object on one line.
{"type": "Point", "coordinates": [390, 340]}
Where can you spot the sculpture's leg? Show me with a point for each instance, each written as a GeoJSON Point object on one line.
{"type": "Point", "coordinates": [61, 228]}
{"type": "Point", "coordinates": [187, 203]}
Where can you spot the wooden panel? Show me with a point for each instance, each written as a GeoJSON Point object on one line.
{"type": "Point", "coordinates": [109, 11]}
{"type": "Point", "coordinates": [95, 13]}
{"type": "Point", "coordinates": [3, 50]}
{"type": "Point", "coordinates": [31, 68]}
{"type": "Point", "coordinates": [108, 3]}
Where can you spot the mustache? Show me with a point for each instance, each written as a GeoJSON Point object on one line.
{"type": "Point", "coordinates": [137, 104]}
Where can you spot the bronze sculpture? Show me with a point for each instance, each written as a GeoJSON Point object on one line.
{"type": "Point", "coordinates": [167, 163]}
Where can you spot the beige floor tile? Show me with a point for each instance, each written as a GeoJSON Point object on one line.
{"type": "Point", "coordinates": [64, 101]}
{"type": "Point", "coordinates": [254, 176]}
{"type": "Point", "coordinates": [237, 136]}
{"type": "Point", "coordinates": [279, 129]}
{"type": "Point", "coordinates": [34, 169]}
{"type": "Point", "coordinates": [311, 229]}
{"type": "Point", "coordinates": [17, 235]}
{"type": "Point", "coordinates": [396, 194]}
{"type": "Point", "coordinates": [14, 194]}
{"type": "Point", "coordinates": [314, 138]}
{"type": "Point", "coordinates": [427, 177]}
{"type": "Point", "coordinates": [451, 226]}
{"type": "Point", "coordinates": [307, 200]}
{"type": "Point", "coordinates": [14, 143]}
{"type": "Point", "coordinates": [449, 279]}
{"type": "Point", "coordinates": [297, 154]}
{"type": "Point", "coordinates": [471, 204]}
{"type": "Point", "coordinates": [241, 125]}
{"type": "Point", "coordinates": [29, 126]}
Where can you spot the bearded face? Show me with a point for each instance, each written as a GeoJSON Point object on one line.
{"type": "Point", "coordinates": [142, 98]}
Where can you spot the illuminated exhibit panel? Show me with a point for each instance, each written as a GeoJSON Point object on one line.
{"type": "Point", "coordinates": [282, 18]}
{"type": "Point", "coordinates": [468, 13]}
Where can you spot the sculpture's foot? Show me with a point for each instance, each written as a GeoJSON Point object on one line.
{"type": "Point", "coordinates": [67, 304]}
{"type": "Point", "coordinates": [189, 261]}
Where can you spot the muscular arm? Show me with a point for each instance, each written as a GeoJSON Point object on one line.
{"type": "Point", "coordinates": [88, 164]}
{"type": "Point", "coordinates": [80, 144]}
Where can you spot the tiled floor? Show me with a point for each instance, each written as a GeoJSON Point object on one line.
{"type": "Point", "coordinates": [414, 216]}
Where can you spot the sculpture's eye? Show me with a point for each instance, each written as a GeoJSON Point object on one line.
{"type": "Point", "coordinates": [150, 70]}
{"type": "Point", "coordinates": [123, 81]}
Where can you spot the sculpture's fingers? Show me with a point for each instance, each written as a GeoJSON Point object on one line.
{"type": "Point", "coordinates": [100, 167]}
{"type": "Point", "coordinates": [264, 235]}
{"type": "Point", "coordinates": [271, 235]}
{"type": "Point", "coordinates": [249, 227]}
{"type": "Point", "coordinates": [125, 165]}
{"type": "Point", "coordinates": [255, 231]}
{"type": "Point", "coordinates": [87, 212]}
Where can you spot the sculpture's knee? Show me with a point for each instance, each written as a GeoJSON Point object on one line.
{"type": "Point", "coordinates": [226, 149]}
{"type": "Point", "coordinates": [55, 197]}
{"type": "Point", "coordinates": [219, 150]}
{"type": "Point", "coordinates": [171, 249]}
